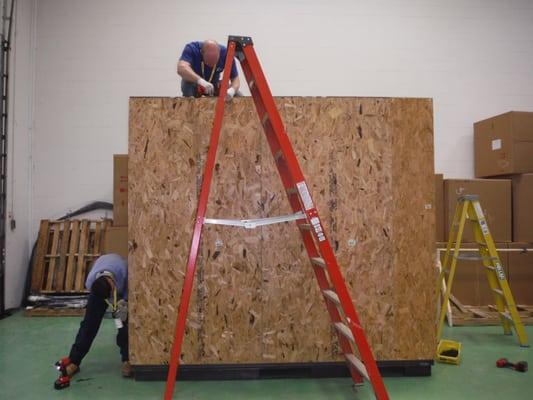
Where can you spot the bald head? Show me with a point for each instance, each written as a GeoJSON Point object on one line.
{"type": "Point", "coordinates": [210, 52]}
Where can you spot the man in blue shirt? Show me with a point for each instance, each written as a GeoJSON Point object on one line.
{"type": "Point", "coordinates": [200, 66]}
{"type": "Point", "coordinates": [108, 285]}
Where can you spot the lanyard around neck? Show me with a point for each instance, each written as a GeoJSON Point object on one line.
{"type": "Point", "coordinates": [114, 305]}
{"type": "Point", "coordinates": [212, 71]}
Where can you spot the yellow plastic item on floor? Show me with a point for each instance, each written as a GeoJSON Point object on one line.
{"type": "Point", "coordinates": [449, 352]}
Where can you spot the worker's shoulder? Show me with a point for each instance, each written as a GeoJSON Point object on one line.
{"type": "Point", "coordinates": [196, 45]}
{"type": "Point", "coordinates": [111, 259]}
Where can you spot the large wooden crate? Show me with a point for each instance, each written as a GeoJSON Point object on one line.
{"type": "Point", "coordinates": [369, 166]}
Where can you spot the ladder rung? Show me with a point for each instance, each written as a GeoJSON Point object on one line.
{"type": "Point", "coordinates": [318, 261]}
{"type": "Point", "coordinates": [357, 364]}
{"type": "Point", "coordinates": [330, 294]}
{"type": "Point", "coordinates": [498, 291]}
{"type": "Point", "coordinates": [342, 328]}
{"type": "Point", "coordinates": [490, 267]}
{"type": "Point", "coordinates": [469, 257]}
{"type": "Point", "coordinates": [507, 316]}
{"type": "Point", "coordinates": [292, 190]}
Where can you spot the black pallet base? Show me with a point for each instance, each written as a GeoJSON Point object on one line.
{"type": "Point", "coordinates": [273, 371]}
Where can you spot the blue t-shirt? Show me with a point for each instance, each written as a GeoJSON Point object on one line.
{"type": "Point", "coordinates": [117, 266]}
{"type": "Point", "coordinates": [192, 53]}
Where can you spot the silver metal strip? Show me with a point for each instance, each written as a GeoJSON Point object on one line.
{"type": "Point", "coordinates": [254, 223]}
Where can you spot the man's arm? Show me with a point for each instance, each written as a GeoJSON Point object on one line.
{"type": "Point", "coordinates": [186, 72]}
{"type": "Point", "coordinates": [235, 83]}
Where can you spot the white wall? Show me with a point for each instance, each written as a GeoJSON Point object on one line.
{"type": "Point", "coordinates": [474, 58]}
{"type": "Point", "coordinates": [20, 121]}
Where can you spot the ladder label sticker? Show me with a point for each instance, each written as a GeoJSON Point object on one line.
{"type": "Point", "coordinates": [479, 210]}
{"type": "Point", "coordinates": [481, 218]}
{"type": "Point", "coordinates": [484, 227]}
{"type": "Point", "coordinates": [318, 229]}
{"type": "Point", "coordinates": [304, 195]}
{"type": "Point", "coordinates": [499, 272]}
{"type": "Point", "coordinates": [496, 144]}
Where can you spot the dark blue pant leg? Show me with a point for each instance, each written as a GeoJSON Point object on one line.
{"type": "Point", "coordinates": [122, 342]}
{"type": "Point", "coordinates": [88, 328]}
{"type": "Point", "coordinates": [188, 89]}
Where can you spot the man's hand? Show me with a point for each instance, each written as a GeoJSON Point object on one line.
{"type": "Point", "coordinates": [230, 93]}
{"type": "Point", "coordinates": [208, 86]}
{"type": "Point", "coordinates": [122, 310]}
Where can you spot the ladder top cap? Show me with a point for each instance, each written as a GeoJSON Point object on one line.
{"type": "Point", "coordinates": [469, 197]}
{"type": "Point", "coordinates": [240, 41]}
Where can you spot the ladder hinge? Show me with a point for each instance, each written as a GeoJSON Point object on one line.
{"type": "Point", "coordinates": [240, 41]}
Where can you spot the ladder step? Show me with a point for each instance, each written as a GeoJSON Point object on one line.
{"type": "Point", "coordinates": [490, 267]}
{"type": "Point", "coordinates": [304, 227]}
{"type": "Point", "coordinates": [357, 364]}
{"type": "Point", "coordinates": [498, 291]}
{"type": "Point", "coordinates": [318, 261]}
{"type": "Point", "coordinates": [343, 329]}
{"type": "Point", "coordinates": [507, 316]}
{"type": "Point", "coordinates": [473, 257]}
{"type": "Point", "coordinates": [330, 294]}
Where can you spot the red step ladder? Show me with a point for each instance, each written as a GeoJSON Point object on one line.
{"type": "Point", "coordinates": [338, 302]}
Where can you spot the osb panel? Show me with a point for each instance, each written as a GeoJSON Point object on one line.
{"type": "Point", "coordinates": [258, 300]}
{"type": "Point", "coordinates": [295, 321]}
{"type": "Point", "coordinates": [364, 209]}
{"type": "Point", "coordinates": [231, 263]}
{"type": "Point", "coordinates": [413, 223]}
{"type": "Point", "coordinates": [162, 197]}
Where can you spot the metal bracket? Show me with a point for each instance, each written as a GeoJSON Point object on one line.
{"type": "Point", "coordinates": [468, 197]}
{"type": "Point", "coordinates": [240, 41]}
{"type": "Point", "coordinates": [254, 223]}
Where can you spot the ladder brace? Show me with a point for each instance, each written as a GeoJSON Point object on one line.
{"type": "Point", "coordinates": [257, 222]}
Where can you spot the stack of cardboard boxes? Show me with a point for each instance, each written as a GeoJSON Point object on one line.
{"type": "Point", "coordinates": [116, 238]}
{"type": "Point", "coordinates": [503, 148]}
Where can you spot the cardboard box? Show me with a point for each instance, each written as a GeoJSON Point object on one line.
{"type": "Point", "coordinates": [116, 240]}
{"type": "Point", "coordinates": [504, 144]}
{"type": "Point", "coordinates": [495, 198]}
{"type": "Point", "coordinates": [120, 190]}
{"type": "Point", "coordinates": [470, 284]}
{"type": "Point", "coordinates": [521, 273]}
{"type": "Point", "coordinates": [522, 189]}
{"type": "Point", "coordinates": [439, 207]}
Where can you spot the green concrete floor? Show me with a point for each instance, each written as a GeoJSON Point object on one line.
{"type": "Point", "coordinates": [29, 346]}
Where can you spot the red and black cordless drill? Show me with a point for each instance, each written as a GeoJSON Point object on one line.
{"type": "Point", "coordinates": [520, 366]}
{"type": "Point", "coordinates": [200, 91]}
{"type": "Point", "coordinates": [64, 379]}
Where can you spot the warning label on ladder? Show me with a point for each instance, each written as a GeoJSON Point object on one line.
{"type": "Point", "coordinates": [304, 195]}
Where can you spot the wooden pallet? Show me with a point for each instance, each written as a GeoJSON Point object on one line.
{"type": "Point", "coordinates": [54, 312]}
{"type": "Point", "coordinates": [463, 315]}
{"type": "Point", "coordinates": [64, 254]}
